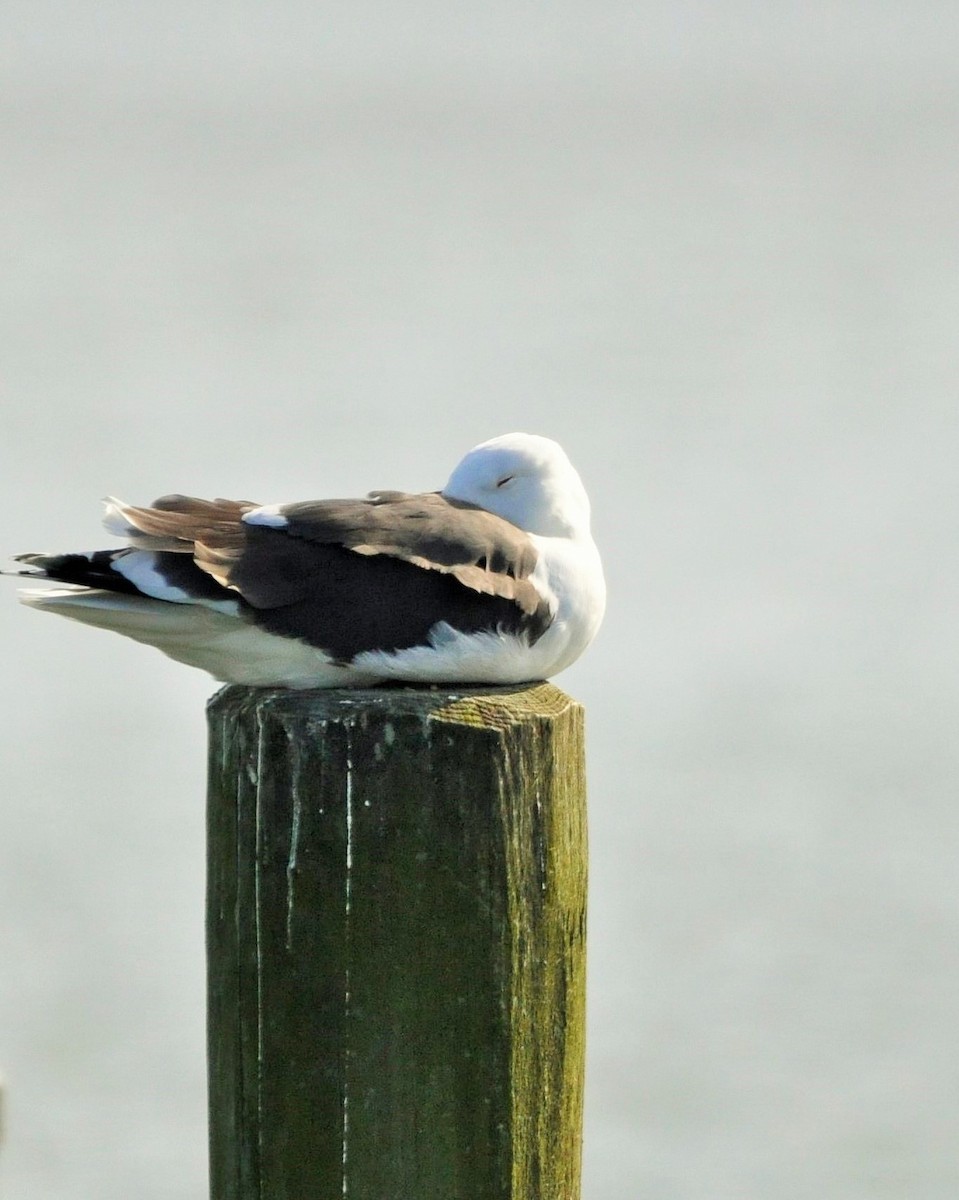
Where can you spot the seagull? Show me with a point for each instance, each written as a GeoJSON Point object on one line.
{"type": "Point", "coordinates": [495, 579]}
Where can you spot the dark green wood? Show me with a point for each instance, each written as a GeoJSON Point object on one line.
{"type": "Point", "coordinates": [396, 944]}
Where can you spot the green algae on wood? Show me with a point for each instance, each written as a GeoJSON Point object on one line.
{"type": "Point", "coordinates": [396, 944]}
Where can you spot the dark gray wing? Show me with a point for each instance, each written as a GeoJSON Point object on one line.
{"type": "Point", "coordinates": [483, 551]}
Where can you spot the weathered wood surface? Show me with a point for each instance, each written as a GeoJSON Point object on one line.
{"type": "Point", "coordinates": [396, 941]}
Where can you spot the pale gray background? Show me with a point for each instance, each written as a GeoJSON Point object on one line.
{"type": "Point", "coordinates": [294, 250]}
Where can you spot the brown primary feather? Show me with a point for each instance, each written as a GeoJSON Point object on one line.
{"type": "Point", "coordinates": [186, 519]}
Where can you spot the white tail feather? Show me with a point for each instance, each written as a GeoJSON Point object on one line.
{"type": "Point", "coordinates": [228, 647]}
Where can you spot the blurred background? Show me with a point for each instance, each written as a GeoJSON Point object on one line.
{"type": "Point", "coordinates": [296, 250]}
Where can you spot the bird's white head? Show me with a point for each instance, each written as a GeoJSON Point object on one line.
{"type": "Point", "coordinates": [528, 480]}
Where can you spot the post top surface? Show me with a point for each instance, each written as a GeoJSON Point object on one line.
{"type": "Point", "coordinates": [470, 705]}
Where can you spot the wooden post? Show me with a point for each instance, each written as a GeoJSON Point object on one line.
{"type": "Point", "coordinates": [396, 944]}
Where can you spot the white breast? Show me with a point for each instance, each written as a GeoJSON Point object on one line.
{"type": "Point", "coordinates": [570, 573]}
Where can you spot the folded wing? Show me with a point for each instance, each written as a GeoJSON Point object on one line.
{"type": "Point", "coordinates": [343, 575]}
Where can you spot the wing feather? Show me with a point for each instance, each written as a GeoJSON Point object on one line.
{"type": "Point", "coordinates": [482, 551]}
{"type": "Point", "coordinates": [267, 566]}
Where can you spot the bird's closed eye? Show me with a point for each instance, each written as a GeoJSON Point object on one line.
{"type": "Point", "coordinates": [504, 481]}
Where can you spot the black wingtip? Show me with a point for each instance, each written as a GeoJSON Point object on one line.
{"type": "Point", "coordinates": [23, 574]}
